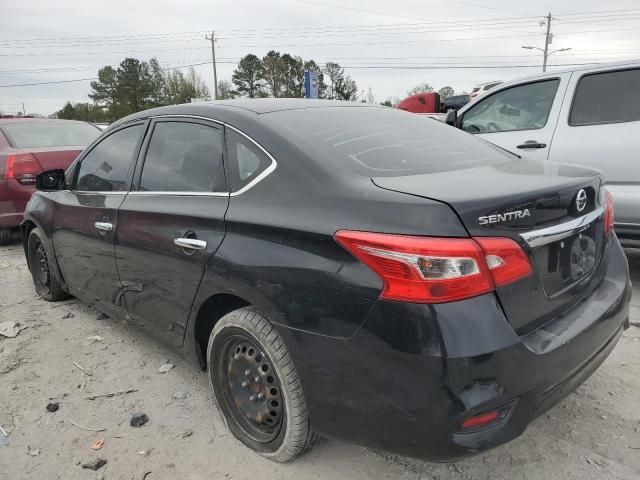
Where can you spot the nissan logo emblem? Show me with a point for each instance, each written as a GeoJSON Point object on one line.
{"type": "Point", "coordinates": [581, 200]}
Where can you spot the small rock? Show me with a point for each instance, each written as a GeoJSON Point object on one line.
{"type": "Point", "coordinates": [11, 328]}
{"type": "Point", "coordinates": [180, 395]}
{"type": "Point", "coordinates": [166, 367]}
{"type": "Point", "coordinates": [185, 434]}
{"type": "Point", "coordinates": [53, 407]}
{"type": "Point", "coordinates": [95, 464]}
{"type": "Point", "coordinates": [102, 316]}
{"type": "Point", "coordinates": [139, 419]}
{"type": "Point", "coordinates": [68, 315]}
{"type": "Point", "coordinates": [34, 452]}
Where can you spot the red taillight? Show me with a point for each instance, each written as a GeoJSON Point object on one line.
{"type": "Point", "coordinates": [608, 213]}
{"type": "Point", "coordinates": [436, 270]}
{"type": "Point", "coordinates": [481, 420]}
{"type": "Point", "coordinates": [23, 167]}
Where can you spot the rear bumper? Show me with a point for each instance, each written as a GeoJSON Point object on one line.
{"type": "Point", "coordinates": [13, 201]}
{"type": "Point", "coordinates": [413, 373]}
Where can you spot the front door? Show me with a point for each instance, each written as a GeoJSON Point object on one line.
{"type": "Point", "coordinates": [85, 220]}
{"type": "Point", "coordinates": [172, 223]}
{"type": "Point", "coordinates": [520, 118]}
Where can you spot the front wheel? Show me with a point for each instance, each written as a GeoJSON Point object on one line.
{"type": "Point", "coordinates": [44, 278]}
{"type": "Point", "coordinates": [257, 387]}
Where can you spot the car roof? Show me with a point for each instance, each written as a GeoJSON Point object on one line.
{"type": "Point", "coordinates": [230, 110]}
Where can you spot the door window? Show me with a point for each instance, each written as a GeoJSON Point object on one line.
{"type": "Point", "coordinates": [246, 160]}
{"type": "Point", "coordinates": [610, 97]}
{"type": "Point", "coordinates": [184, 157]}
{"type": "Point", "coordinates": [106, 167]}
{"type": "Point", "coordinates": [524, 107]}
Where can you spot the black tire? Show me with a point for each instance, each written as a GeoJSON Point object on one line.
{"type": "Point", "coordinates": [45, 280]}
{"type": "Point", "coordinates": [280, 429]}
{"type": "Point", "coordinates": [5, 236]}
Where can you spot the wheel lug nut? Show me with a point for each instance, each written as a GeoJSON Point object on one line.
{"type": "Point", "coordinates": [256, 379]}
{"type": "Point", "coordinates": [252, 398]}
{"type": "Point", "coordinates": [245, 384]}
{"type": "Point", "coordinates": [247, 373]}
{"type": "Point", "coordinates": [260, 396]}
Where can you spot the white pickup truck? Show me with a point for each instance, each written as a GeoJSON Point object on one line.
{"type": "Point", "coordinates": [588, 116]}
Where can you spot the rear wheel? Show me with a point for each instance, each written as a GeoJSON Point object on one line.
{"type": "Point", "coordinates": [257, 387]}
{"type": "Point", "coordinates": [44, 278]}
{"type": "Point", "coordinates": [5, 236]}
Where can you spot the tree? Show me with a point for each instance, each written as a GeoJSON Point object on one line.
{"type": "Point", "coordinates": [248, 76]}
{"type": "Point", "coordinates": [368, 97]}
{"type": "Point", "coordinates": [445, 92]}
{"type": "Point", "coordinates": [82, 111]}
{"type": "Point", "coordinates": [158, 84]}
{"type": "Point", "coordinates": [420, 88]}
{"type": "Point", "coordinates": [334, 73]}
{"type": "Point", "coordinates": [345, 89]}
{"type": "Point", "coordinates": [182, 88]}
{"type": "Point", "coordinates": [294, 76]}
{"type": "Point", "coordinates": [225, 90]}
{"type": "Point", "coordinates": [105, 91]}
{"type": "Point", "coordinates": [274, 73]}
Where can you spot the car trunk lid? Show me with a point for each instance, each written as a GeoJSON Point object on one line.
{"type": "Point", "coordinates": [536, 204]}
{"type": "Point", "coordinates": [51, 158]}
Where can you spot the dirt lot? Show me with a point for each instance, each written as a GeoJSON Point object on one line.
{"type": "Point", "coordinates": [593, 434]}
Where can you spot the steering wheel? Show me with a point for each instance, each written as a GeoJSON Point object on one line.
{"type": "Point", "coordinates": [493, 127]}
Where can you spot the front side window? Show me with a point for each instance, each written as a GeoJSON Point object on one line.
{"type": "Point", "coordinates": [183, 157]}
{"type": "Point", "coordinates": [524, 107]}
{"type": "Point", "coordinates": [246, 160]}
{"type": "Point", "coordinates": [106, 167]}
{"type": "Point", "coordinates": [610, 97]}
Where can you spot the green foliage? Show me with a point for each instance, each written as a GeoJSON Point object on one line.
{"type": "Point", "coordinates": [248, 77]}
{"type": "Point", "coordinates": [82, 111]}
{"type": "Point", "coordinates": [420, 88]}
{"type": "Point", "coordinates": [446, 92]}
{"type": "Point", "coordinates": [225, 90]}
{"type": "Point", "coordinates": [135, 85]}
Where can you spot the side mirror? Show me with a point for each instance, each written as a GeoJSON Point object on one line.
{"type": "Point", "coordinates": [50, 180]}
{"type": "Point", "coordinates": [452, 118]}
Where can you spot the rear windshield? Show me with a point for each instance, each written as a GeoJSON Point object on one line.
{"type": "Point", "coordinates": [49, 134]}
{"type": "Point", "coordinates": [385, 142]}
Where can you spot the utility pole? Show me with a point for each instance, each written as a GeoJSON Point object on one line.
{"type": "Point", "coordinates": [547, 41]}
{"type": "Point", "coordinates": [23, 112]}
{"type": "Point", "coordinates": [213, 57]}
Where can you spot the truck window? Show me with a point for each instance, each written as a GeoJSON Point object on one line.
{"type": "Point", "coordinates": [609, 97]}
{"type": "Point", "coordinates": [523, 107]}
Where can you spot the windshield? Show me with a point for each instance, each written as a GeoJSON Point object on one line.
{"type": "Point", "coordinates": [49, 134]}
{"type": "Point", "coordinates": [384, 141]}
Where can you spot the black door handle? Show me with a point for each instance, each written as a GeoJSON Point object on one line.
{"type": "Point", "coordinates": [532, 144]}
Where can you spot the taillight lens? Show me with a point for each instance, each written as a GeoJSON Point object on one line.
{"type": "Point", "coordinates": [436, 270]}
{"type": "Point", "coordinates": [23, 167]}
{"type": "Point", "coordinates": [608, 213]}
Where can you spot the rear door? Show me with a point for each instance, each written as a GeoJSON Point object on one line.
{"type": "Point", "coordinates": [599, 126]}
{"type": "Point", "coordinates": [520, 118]}
{"type": "Point", "coordinates": [172, 223]}
{"type": "Point", "coordinates": [85, 220]}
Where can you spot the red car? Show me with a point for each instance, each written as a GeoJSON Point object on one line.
{"type": "Point", "coordinates": [29, 146]}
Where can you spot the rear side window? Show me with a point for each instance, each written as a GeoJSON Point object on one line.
{"type": "Point", "coordinates": [49, 134]}
{"type": "Point", "coordinates": [523, 107]}
{"type": "Point", "coordinates": [611, 97]}
{"type": "Point", "coordinates": [183, 157]}
{"type": "Point", "coordinates": [106, 167]}
{"type": "Point", "coordinates": [246, 160]}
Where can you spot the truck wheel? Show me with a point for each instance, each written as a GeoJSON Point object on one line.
{"type": "Point", "coordinates": [5, 236]}
{"type": "Point", "coordinates": [257, 387]}
{"type": "Point", "coordinates": [44, 278]}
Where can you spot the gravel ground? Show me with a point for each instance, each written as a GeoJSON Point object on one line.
{"type": "Point", "coordinates": [593, 434]}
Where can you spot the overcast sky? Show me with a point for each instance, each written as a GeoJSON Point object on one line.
{"type": "Point", "coordinates": [388, 46]}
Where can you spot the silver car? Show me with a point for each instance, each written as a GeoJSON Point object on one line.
{"type": "Point", "coordinates": [588, 116]}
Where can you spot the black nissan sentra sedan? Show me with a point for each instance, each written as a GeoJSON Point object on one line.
{"type": "Point", "coordinates": [341, 269]}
